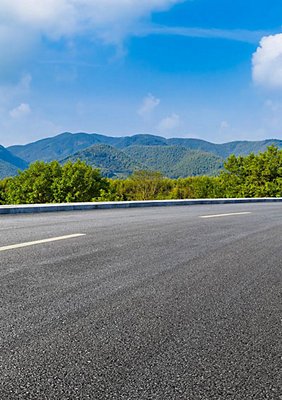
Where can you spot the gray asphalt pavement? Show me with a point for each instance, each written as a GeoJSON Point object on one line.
{"type": "Point", "coordinates": [150, 304]}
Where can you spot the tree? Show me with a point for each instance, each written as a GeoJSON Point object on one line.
{"type": "Point", "coordinates": [257, 175]}
{"type": "Point", "coordinates": [52, 183]}
{"type": "Point", "coordinates": [146, 184]}
{"type": "Point", "coordinates": [78, 182]}
{"type": "Point", "coordinates": [3, 190]}
{"type": "Point", "coordinates": [33, 185]}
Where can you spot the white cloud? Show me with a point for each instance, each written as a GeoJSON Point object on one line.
{"type": "Point", "coordinates": [21, 111]}
{"type": "Point", "coordinates": [239, 35]}
{"type": "Point", "coordinates": [15, 41]}
{"type": "Point", "coordinates": [148, 105]}
{"type": "Point", "coordinates": [267, 62]}
{"type": "Point", "coordinates": [169, 123]}
{"type": "Point", "coordinates": [61, 18]}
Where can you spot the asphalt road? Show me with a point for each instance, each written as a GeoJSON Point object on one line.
{"type": "Point", "coordinates": [150, 304]}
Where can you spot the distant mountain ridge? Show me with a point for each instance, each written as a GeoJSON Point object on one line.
{"type": "Point", "coordinates": [120, 156]}
{"type": "Point", "coordinates": [66, 144]}
{"type": "Point", "coordinates": [9, 163]}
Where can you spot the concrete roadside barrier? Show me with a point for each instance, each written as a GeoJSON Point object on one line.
{"type": "Point", "coordinates": [43, 208]}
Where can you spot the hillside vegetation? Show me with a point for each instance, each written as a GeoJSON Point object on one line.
{"type": "Point", "coordinates": [208, 161]}
{"type": "Point", "coordinates": [176, 161]}
{"type": "Point", "coordinates": [53, 183]}
{"type": "Point", "coordinates": [66, 144]}
{"type": "Point", "coordinates": [171, 161]}
{"type": "Point", "coordinates": [112, 162]}
{"type": "Point", "coordinates": [255, 175]}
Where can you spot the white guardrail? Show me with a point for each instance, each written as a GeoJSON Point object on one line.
{"type": "Point", "coordinates": [41, 208]}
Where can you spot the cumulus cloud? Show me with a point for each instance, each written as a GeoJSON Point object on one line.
{"type": "Point", "coordinates": [148, 105]}
{"type": "Point", "coordinates": [169, 123]}
{"type": "Point", "coordinates": [267, 62]}
{"type": "Point", "coordinates": [60, 18]}
{"type": "Point", "coordinates": [21, 111]}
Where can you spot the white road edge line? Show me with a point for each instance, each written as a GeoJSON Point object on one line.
{"type": "Point", "coordinates": [55, 239]}
{"type": "Point", "coordinates": [224, 215]}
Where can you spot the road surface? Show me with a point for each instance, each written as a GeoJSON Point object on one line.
{"type": "Point", "coordinates": [159, 303]}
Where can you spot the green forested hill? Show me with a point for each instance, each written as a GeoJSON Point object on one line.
{"type": "Point", "coordinates": [176, 161]}
{"type": "Point", "coordinates": [197, 163]}
{"type": "Point", "coordinates": [224, 150]}
{"type": "Point", "coordinates": [67, 144]}
{"type": "Point", "coordinates": [56, 148]}
{"type": "Point", "coordinates": [119, 156]}
{"type": "Point", "coordinates": [111, 161]}
{"type": "Point", "coordinates": [172, 161]}
{"type": "Point", "coordinates": [159, 158]}
{"type": "Point", "coordinates": [244, 148]}
{"type": "Point", "coordinates": [139, 140]}
{"type": "Point", "coordinates": [250, 177]}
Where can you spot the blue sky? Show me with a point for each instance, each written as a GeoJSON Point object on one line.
{"type": "Point", "coordinates": [210, 69]}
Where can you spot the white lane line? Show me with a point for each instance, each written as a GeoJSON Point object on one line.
{"type": "Point", "coordinates": [224, 215]}
{"type": "Point", "coordinates": [55, 239]}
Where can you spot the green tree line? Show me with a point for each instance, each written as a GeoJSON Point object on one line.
{"type": "Point", "coordinates": [255, 175]}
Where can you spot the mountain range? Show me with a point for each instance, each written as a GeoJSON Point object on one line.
{"type": "Point", "coordinates": [9, 163]}
{"type": "Point", "coordinates": [120, 156]}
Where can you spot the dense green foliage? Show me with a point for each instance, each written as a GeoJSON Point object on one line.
{"type": "Point", "coordinates": [119, 157]}
{"type": "Point", "coordinates": [254, 175]}
{"type": "Point", "coordinates": [53, 183]}
{"type": "Point", "coordinates": [251, 176]}
{"type": "Point", "coordinates": [145, 185]}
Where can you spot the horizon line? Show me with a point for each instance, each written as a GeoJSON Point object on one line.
{"type": "Point", "coordinates": [137, 134]}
